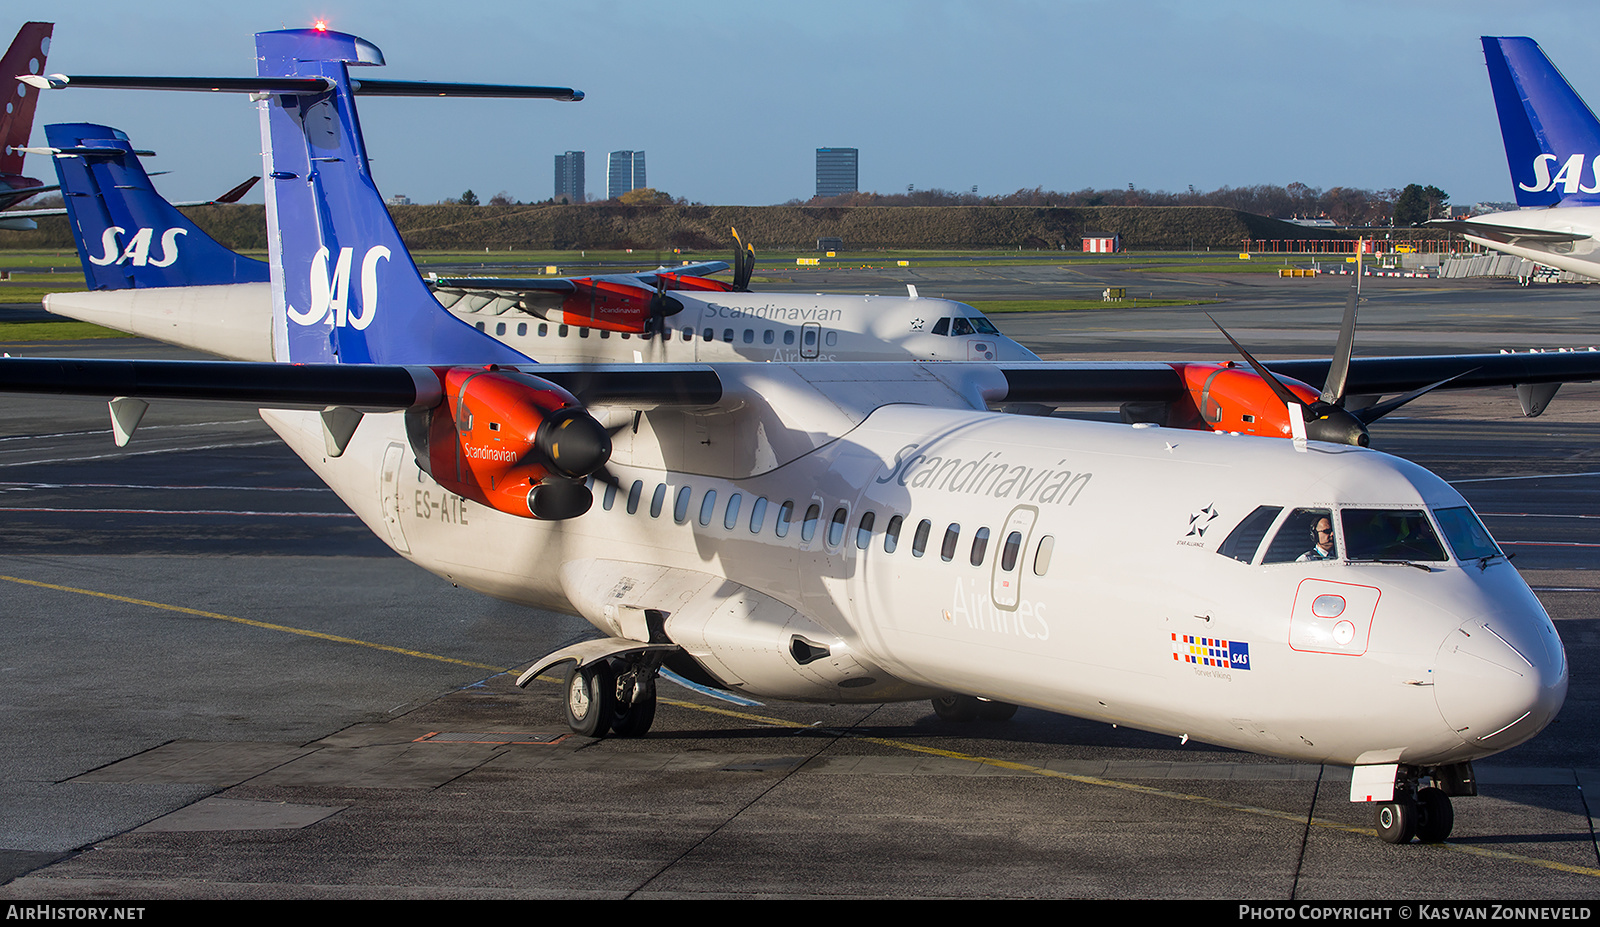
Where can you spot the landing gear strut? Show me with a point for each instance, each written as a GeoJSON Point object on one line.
{"type": "Point", "coordinates": [616, 694]}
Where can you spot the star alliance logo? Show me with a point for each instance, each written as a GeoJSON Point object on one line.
{"type": "Point", "coordinates": [1201, 520]}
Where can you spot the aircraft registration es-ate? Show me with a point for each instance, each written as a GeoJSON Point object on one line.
{"type": "Point", "coordinates": [866, 532]}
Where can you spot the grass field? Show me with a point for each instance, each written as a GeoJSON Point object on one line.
{"type": "Point", "coordinates": [65, 330]}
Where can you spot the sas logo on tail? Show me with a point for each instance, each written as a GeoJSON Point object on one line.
{"type": "Point", "coordinates": [1569, 178]}
{"type": "Point", "coordinates": [137, 251]}
{"type": "Point", "coordinates": [330, 293]}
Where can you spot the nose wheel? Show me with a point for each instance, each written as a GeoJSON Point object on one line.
{"type": "Point", "coordinates": [1426, 816]}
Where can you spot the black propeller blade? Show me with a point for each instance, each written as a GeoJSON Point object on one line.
{"type": "Point", "coordinates": [744, 264]}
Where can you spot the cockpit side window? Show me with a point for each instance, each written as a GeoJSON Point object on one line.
{"type": "Point", "coordinates": [1390, 534]}
{"type": "Point", "coordinates": [1467, 536]}
{"type": "Point", "coordinates": [960, 326]}
{"type": "Point", "coordinates": [1243, 542]}
{"type": "Point", "coordinates": [941, 327]}
{"type": "Point", "coordinates": [1302, 537]}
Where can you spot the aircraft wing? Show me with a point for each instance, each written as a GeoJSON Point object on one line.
{"type": "Point", "coordinates": [1506, 234]}
{"type": "Point", "coordinates": [1378, 375]}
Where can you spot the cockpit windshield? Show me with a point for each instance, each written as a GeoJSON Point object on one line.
{"type": "Point", "coordinates": [1467, 536]}
{"type": "Point", "coordinates": [964, 325]}
{"type": "Point", "coordinates": [1389, 534]}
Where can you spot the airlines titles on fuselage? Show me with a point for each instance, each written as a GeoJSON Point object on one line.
{"type": "Point", "coordinates": [988, 475]}
{"type": "Point", "coordinates": [773, 313]}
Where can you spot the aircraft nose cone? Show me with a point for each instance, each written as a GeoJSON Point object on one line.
{"type": "Point", "coordinates": [1499, 682]}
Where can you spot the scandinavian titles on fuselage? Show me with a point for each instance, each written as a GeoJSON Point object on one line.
{"type": "Point", "coordinates": [977, 610]}
{"type": "Point", "coordinates": [773, 313]}
{"type": "Point", "coordinates": [988, 475]}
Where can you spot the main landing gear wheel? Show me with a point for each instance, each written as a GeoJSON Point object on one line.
{"type": "Point", "coordinates": [1436, 818]}
{"type": "Point", "coordinates": [591, 699]}
{"type": "Point", "coordinates": [959, 708]}
{"type": "Point", "coordinates": [1398, 819]}
{"type": "Point", "coordinates": [634, 719]}
{"type": "Point", "coordinates": [995, 711]}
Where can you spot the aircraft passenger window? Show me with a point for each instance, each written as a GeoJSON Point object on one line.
{"type": "Point", "coordinates": [680, 506]}
{"type": "Point", "coordinates": [808, 527]}
{"type": "Point", "coordinates": [1008, 554]}
{"type": "Point", "coordinates": [688, 334]}
{"type": "Point", "coordinates": [952, 536]}
{"type": "Point", "coordinates": [836, 526]}
{"type": "Point", "coordinates": [919, 541]}
{"type": "Point", "coordinates": [707, 506]}
{"type": "Point", "coordinates": [788, 337]}
{"type": "Point", "coordinates": [864, 530]}
{"type": "Point", "coordinates": [544, 329]}
{"type": "Point", "coordinates": [831, 339]}
{"type": "Point", "coordinates": [625, 336]}
{"type": "Point", "coordinates": [941, 327]}
{"type": "Point", "coordinates": [785, 516]}
{"type": "Point", "coordinates": [609, 497]}
{"type": "Point", "coordinates": [583, 331]}
{"type": "Point", "coordinates": [1303, 532]}
{"type": "Point", "coordinates": [708, 335]}
{"type": "Point", "coordinates": [1389, 534]}
{"type": "Point", "coordinates": [810, 338]}
{"type": "Point", "coordinates": [657, 500]}
{"type": "Point", "coordinates": [1041, 557]}
{"type": "Point", "coordinates": [634, 491]}
{"type": "Point", "coordinates": [522, 329]}
{"type": "Point", "coordinates": [500, 328]}
{"type": "Point", "coordinates": [481, 327]}
{"type": "Point", "coordinates": [749, 336]}
{"type": "Point", "coordinates": [1467, 536]}
{"type": "Point", "coordinates": [727, 335]}
{"type": "Point", "coordinates": [980, 546]}
{"type": "Point", "coordinates": [960, 326]}
{"type": "Point", "coordinates": [891, 535]}
{"type": "Point", "coordinates": [983, 325]}
{"type": "Point", "coordinates": [604, 334]}
{"type": "Point", "coordinates": [731, 516]}
{"type": "Point", "coordinates": [1243, 542]}
{"type": "Point", "coordinates": [758, 514]}
{"type": "Point", "coordinates": [768, 336]}
{"type": "Point", "coordinates": [561, 330]}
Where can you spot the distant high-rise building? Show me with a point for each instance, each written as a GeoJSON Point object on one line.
{"type": "Point", "coordinates": [569, 176]}
{"type": "Point", "coordinates": [836, 171]}
{"type": "Point", "coordinates": [624, 172]}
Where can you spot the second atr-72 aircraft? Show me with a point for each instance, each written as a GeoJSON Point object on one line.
{"type": "Point", "coordinates": [867, 532]}
{"type": "Point", "coordinates": [153, 272]}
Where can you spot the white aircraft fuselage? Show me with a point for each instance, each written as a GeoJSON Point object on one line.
{"type": "Point", "coordinates": [1579, 257]}
{"type": "Point", "coordinates": [797, 565]}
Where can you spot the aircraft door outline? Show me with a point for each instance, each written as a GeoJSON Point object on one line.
{"type": "Point", "coordinates": [394, 457]}
{"type": "Point", "coordinates": [1005, 584]}
{"type": "Point", "coordinates": [810, 340]}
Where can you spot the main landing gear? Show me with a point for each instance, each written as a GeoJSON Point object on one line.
{"type": "Point", "coordinates": [616, 694]}
{"type": "Point", "coordinates": [1423, 813]}
{"type": "Point", "coordinates": [971, 708]}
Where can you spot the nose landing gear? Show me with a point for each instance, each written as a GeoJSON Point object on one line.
{"type": "Point", "coordinates": [1421, 813]}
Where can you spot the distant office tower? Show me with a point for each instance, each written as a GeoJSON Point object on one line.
{"type": "Point", "coordinates": [836, 171]}
{"type": "Point", "coordinates": [624, 172]}
{"type": "Point", "coordinates": [569, 176]}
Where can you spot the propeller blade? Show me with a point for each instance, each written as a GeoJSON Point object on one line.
{"type": "Point", "coordinates": [744, 264]}
{"type": "Point", "coordinates": [1378, 410]}
{"type": "Point", "coordinates": [1281, 391]}
{"type": "Point", "coordinates": [1339, 370]}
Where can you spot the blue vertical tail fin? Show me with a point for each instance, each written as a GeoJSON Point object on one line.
{"type": "Point", "coordinates": [128, 236]}
{"type": "Point", "coordinates": [344, 286]}
{"type": "Point", "coordinates": [1552, 138]}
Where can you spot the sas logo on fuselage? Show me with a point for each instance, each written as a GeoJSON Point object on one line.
{"type": "Point", "coordinates": [137, 251]}
{"type": "Point", "coordinates": [330, 294]}
{"type": "Point", "coordinates": [1569, 178]}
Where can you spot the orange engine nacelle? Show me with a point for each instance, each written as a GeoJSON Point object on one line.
{"type": "Point", "coordinates": [1227, 397]}
{"type": "Point", "coordinates": [514, 442]}
{"type": "Point", "coordinates": [607, 304]}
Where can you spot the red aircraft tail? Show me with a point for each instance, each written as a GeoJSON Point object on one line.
{"type": "Point", "coordinates": [26, 56]}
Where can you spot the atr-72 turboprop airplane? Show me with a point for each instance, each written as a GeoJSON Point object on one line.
{"type": "Point", "coordinates": [1552, 144]}
{"type": "Point", "coordinates": [868, 532]}
{"type": "Point", "coordinates": [153, 272]}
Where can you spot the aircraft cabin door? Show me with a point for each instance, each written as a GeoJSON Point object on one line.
{"type": "Point", "coordinates": [810, 340]}
{"type": "Point", "coordinates": [393, 460]}
{"type": "Point", "coordinates": [1005, 588]}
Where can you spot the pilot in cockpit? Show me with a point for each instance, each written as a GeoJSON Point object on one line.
{"type": "Point", "coordinates": [1322, 540]}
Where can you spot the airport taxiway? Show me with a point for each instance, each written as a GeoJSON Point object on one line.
{"type": "Point", "coordinates": [219, 684]}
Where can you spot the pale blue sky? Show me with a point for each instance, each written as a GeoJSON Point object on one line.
{"type": "Point", "coordinates": [731, 99]}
